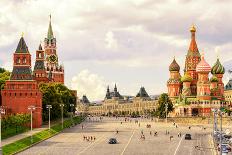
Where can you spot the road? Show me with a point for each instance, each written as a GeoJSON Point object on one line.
{"type": "Point", "coordinates": [70, 141]}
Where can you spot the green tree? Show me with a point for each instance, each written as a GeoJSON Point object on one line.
{"type": "Point", "coordinates": [55, 94]}
{"type": "Point", "coordinates": [161, 110]}
{"type": "Point", "coordinates": [4, 75]}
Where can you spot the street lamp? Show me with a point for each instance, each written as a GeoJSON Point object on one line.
{"type": "Point", "coordinates": [62, 119]}
{"type": "Point", "coordinates": [2, 111]}
{"type": "Point", "coordinates": [166, 109]}
{"type": "Point", "coordinates": [72, 105]}
{"type": "Point", "coordinates": [31, 108]}
{"type": "Point", "coordinates": [49, 107]}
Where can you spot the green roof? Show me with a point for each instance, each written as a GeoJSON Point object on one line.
{"type": "Point", "coordinates": [22, 46]}
{"type": "Point", "coordinates": [50, 32]}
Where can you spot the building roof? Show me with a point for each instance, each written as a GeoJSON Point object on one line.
{"type": "Point", "coordinates": [50, 32]}
{"type": "Point", "coordinates": [174, 66]}
{"type": "Point", "coordinates": [39, 65]}
{"type": "Point", "coordinates": [22, 46]}
{"type": "Point", "coordinates": [203, 66]}
{"type": "Point", "coordinates": [85, 100]}
{"type": "Point", "coordinates": [142, 93]}
{"type": "Point", "coordinates": [21, 73]}
{"type": "Point", "coordinates": [115, 93]}
{"type": "Point", "coordinates": [229, 85]}
{"type": "Point", "coordinates": [186, 78]}
{"type": "Point", "coordinates": [217, 68]}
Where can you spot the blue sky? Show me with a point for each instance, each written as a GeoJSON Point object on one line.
{"type": "Point", "coordinates": [128, 42]}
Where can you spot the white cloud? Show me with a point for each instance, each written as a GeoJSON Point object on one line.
{"type": "Point", "coordinates": [110, 40]}
{"type": "Point", "coordinates": [90, 84]}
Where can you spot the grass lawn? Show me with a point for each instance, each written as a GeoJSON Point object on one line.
{"type": "Point", "coordinates": [38, 137]}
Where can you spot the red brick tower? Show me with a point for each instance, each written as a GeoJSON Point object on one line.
{"type": "Point", "coordinates": [174, 83]}
{"type": "Point", "coordinates": [54, 71]}
{"type": "Point", "coordinates": [193, 57]}
{"type": "Point", "coordinates": [39, 72]}
{"type": "Point", "coordinates": [21, 91]}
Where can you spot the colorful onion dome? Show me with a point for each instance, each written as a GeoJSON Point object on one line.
{"type": "Point", "coordinates": [174, 66]}
{"type": "Point", "coordinates": [203, 66]}
{"type": "Point", "coordinates": [186, 78]}
{"type": "Point", "coordinates": [218, 68]}
{"type": "Point", "coordinates": [213, 79]}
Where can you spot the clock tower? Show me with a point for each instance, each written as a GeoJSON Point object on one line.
{"type": "Point", "coordinates": [54, 71]}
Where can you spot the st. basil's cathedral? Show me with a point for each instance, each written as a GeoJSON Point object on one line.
{"type": "Point", "coordinates": [194, 93]}
{"type": "Point", "coordinates": [21, 90]}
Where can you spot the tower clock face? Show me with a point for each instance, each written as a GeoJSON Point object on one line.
{"type": "Point", "coordinates": [53, 58]}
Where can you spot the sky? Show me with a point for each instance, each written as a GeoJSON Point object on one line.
{"type": "Point", "coordinates": [127, 42]}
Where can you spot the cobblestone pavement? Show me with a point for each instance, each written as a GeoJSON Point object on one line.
{"type": "Point", "coordinates": [70, 141]}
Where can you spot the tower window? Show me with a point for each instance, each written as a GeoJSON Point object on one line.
{"type": "Point", "coordinates": [18, 60]}
{"type": "Point", "coordinates": [40, 55]}
{"type": "Point", "coordinates": [24, 60]}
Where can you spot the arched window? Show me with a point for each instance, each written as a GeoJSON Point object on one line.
{"type": "Point", "coordinates": [18, 60]}
{"type": "Point", "coordinates": [24, 60]}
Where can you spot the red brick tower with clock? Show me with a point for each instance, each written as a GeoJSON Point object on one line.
{"type": "Point", "coordinates": [47, 61]}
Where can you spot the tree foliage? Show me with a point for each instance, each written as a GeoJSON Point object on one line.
{"type": "Point", "coordinates": [55, 94]}
{"type": "Point", "coordinates": [161, 110]}
{"type": "Point", "coordinates": [15, 121]}
{"type": "Point", "coordinates": [4, 75]}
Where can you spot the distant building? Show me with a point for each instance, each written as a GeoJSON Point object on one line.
{"type": "Point", "coordinates": [228, 93]}
{"type": "Point", "coordinates": [115, 103]}
{"type": "Point", "coordinates": [194, 93]}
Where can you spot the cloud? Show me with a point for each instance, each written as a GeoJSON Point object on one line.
{"type": "Point", "coordinates": [90, 84]}
{"type": "Point", "coordinates": [110, 40]}
{"type": "Point", "coordinates": [119, 34]}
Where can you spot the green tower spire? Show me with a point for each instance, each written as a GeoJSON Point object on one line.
{"type": "Point", "coordinates": [50, 32]}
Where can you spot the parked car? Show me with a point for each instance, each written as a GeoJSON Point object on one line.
{"type": "Point", "coordinates": [225, 148]}
{"type": "Point", "coordinates": [112, 141]}
{"type": "Point", "coordinates": [188, 136]}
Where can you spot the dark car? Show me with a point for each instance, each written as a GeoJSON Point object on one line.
{"type": "Point", "coordinates": [225, 148]}
{"type": "Point", "coordinates": [188, 137]}
{"type": "Point", "coordinates": [112, 141]}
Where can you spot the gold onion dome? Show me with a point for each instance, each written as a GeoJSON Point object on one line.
{"type": "Point", "coordinates": [186, 78]}
{"type": "Point", "coordinates": [192, 28]}
{"type": "Point", "coordinates": [174, 66]}
{"type": "Point", "coordinates": [217, 68]}
{"type": "Point", "coordinates": [213, 79]}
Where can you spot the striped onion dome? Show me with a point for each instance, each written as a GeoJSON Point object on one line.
{"type": "Point", "coordinates": [203, 66]}
{"type": "Point", "coordinates": [186, 78]}
{"type": "Point", "coordinates": [174, 66]}
{"type": "Point", "coordinates": [217, 68]}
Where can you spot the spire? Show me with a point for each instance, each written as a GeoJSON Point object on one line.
{"type": "Point", "coordinates": [115, 88]}
{"type": "Point", "coordinates": [50, 32]}
{"type": "Point", "coordinates": [22, 46]}
{"type": "Point", "coordinates": [193, 44]}
{"type": "Point", "coordinates": [40, 47]}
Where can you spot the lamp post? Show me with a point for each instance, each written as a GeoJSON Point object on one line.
{"type": "Point", "coordinates": [72, 105]}
{"type": "Point", "coordinates": [62, 119]}
{"type": "Point", "coordinates": [49, 107]}
{"type": "Point", "coordinates": [220, 113]}
{"type": "Point", "coordinates": [166, 109]}
{"type": "Point", "coordinates": [2, 111]}
{"type": "Point", "coordinates": [31, 108]}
